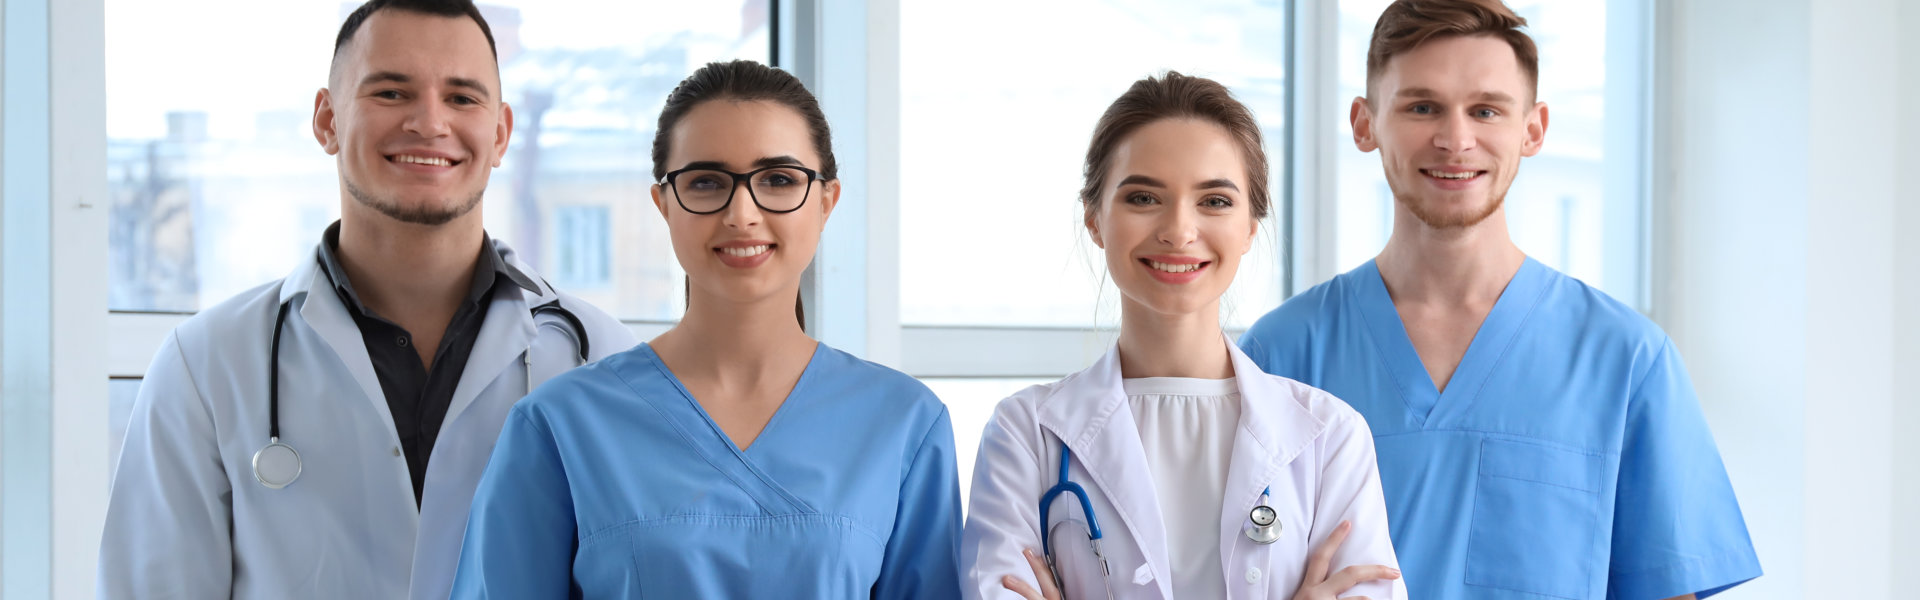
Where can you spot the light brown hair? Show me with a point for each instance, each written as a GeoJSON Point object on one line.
{"type": "Point", "coordinates": [1406, 24]}
{"type": "Point", "coordinates": [1171, 97]}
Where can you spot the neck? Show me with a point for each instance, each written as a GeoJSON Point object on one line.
{"type": "Point", "coordinates": [1459, 265]}
{"type": "Point", "coordinates": [1155, 344]}
{"type": "Point", "coordinates": [734, 340]}
{"type": "Point", "coordinates": [402, 270]}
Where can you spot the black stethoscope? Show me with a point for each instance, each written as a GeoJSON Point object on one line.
{"type": "Point", "coordinates": [277, 464]}
{"type": "Point", "coordinates": [1265, 529]}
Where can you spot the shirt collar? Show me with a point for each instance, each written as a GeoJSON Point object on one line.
{"type": "Point", "coordinates": [486, 274]}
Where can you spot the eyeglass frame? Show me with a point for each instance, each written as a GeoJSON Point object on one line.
{"type": "Point", "coordinates": [740, 179]}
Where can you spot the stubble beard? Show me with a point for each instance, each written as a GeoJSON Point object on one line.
{"type": "Point", "coordinates": [1438, 219]}
{"type": "Point", "coordinates": [428, 215]}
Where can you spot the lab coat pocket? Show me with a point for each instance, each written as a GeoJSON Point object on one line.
{"type": "Point", "coordinates": [1535, 513]}
{"type": "Point", "coordinates": [1080, 572]}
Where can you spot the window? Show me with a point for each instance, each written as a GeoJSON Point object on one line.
{"type": "Point", "coordinates": [992, 139]}
{"type": "Point", "coordinates": [580, 247]}
{"type": "Point", "coordinates": [1577, 206]}
{"type": "Point", "coordinates": [217, 184]}
{"type": "Point", "coordinates": [970, 404]}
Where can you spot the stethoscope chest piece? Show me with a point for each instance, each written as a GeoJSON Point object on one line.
{"type": "Point", "coordinates": [1266, 525]}
{"type": "Point", "coordinates": [276, 465]}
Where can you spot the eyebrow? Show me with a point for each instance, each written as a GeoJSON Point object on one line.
{"type": "Point", "coordinates": [1429, 94]}
{"type": "Point", "coordinates": [1204, 185]}
{"type": "Point", "coordinates": [459, 82]}
{"type": "Point", "coordinates": [770, 161]}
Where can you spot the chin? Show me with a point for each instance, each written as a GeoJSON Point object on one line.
{"type": "Point", "coordinates": [1174, 304]}
{"type": "Point", "coordinates": [1451, 213]}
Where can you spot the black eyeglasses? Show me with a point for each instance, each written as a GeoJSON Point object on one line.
{"type": "Point", "coordinates": [777, 189]}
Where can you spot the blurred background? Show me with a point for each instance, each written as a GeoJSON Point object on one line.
{"type": "Point", "coordinates": [1729, 168]}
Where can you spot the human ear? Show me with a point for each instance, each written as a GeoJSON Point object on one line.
{"type": "Point", "coordinates": [1361, 116]}
{"type": "Point", "coordinates": [323, 122]}
{"type": "Point", "coordinates": [1093, 230]}
{"type": "Point", "coordinates": [829, 198]}
{"type": "Point", "coordinates": [1536, 130]}
{"type": "Point", "coordinates": [502, 130]}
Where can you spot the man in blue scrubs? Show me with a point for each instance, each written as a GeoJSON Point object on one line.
{"type": "Point", "coordinates": [1536, 438]}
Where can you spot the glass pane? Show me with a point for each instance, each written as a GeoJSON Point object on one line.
{"type": "Point", "coordinates": [970, 404]}
{"type": "Point", "coordinates": [993, 135]}
{"type": "Point", "coordinates": [1563, 209]}
{"type": "Point", "coordinates": [219, 186]}
{"type": "Point", "coordinates": [120, 396]}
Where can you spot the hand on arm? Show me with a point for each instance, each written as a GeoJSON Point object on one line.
{"type": "Point", "coordinates": [1318, 584]}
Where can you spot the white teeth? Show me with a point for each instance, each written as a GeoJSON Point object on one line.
{"type": "Point", "coordinates": [1460, 175]}
{"type": "Point", "coordinates": [423, 160]}
{"type": "Point", "coordinates": [1170, 268]}
{"type": "Point", "coordinates": [747, 251]}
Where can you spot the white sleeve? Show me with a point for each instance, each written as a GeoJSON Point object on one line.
{"type": "Point", "coordinates": [1003, 515]}
{"type": "Point", "coordinates": [169, 510]}
{"type": "Point", "coordinates": [1350, 491]}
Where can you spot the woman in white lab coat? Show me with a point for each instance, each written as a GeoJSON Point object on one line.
{"type": "Point", "coordinates": [1178, 442]}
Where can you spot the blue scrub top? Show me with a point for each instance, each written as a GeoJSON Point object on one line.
{"type": "Point", "coordinates": [1567, 458]}
{"type": "Point", "coordinates": [610, 481]}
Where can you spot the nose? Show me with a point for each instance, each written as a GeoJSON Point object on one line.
{"type": "Point", "coordinates": [1178, 227]}
{"type": "Point", "coordinates": [1455, 134]}
{"type": "Point", "coordinates": [428, 119]}
{"type": "Point", "coordinates": [742, 212]}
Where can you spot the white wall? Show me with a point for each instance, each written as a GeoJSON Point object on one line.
{"type": "Point", "coordinates": [1906, 406]}
{"type": "Point", "coordinates": [1730, 267]}
{"type": "Point", "coordinates": [1850, 252]}
{"type": "Point", "coordinates": [1778, 274]}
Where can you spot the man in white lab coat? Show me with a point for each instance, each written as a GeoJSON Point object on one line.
{"type": "Point", "coordinates": [321, 436]}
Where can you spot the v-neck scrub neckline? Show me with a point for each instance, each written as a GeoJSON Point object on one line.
{"type": "Point", "coordinates": [1425, 403]}
{"type": "Point", "coordinates": [798, 392]}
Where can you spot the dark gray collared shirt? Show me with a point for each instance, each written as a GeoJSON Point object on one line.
{"type": "Point", "coordinates": [418, 397]}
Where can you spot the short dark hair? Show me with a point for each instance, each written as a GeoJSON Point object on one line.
{"type": "Point", "coordinates": [438, 8]}
{"type": "Point", "coordinates": [1176, 96]}
{"type": "Point", "coordinates": [743, 81]}
{"type": "Point", "coordinates": [1406, 24]}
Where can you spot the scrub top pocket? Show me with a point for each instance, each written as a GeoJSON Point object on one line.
{"type": "Point", "coordinates": [1535, 515]}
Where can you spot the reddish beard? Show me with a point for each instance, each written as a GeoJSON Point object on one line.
{"type": "Point", "coordinates": [1450, 219]}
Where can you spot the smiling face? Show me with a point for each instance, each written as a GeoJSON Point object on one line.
{"type": "Point", "coordinates": [1175, 219]}
{"type": "Point", "coordinates": [413, 114]}
{"type": "Point", "coordinates": [743, 253]}
{"type": "Point", "coordinates": [1451, 119]}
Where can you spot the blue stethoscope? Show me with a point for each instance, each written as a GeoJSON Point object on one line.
{"type": "Point", "coordinates": [277, 464]}
{"type": "Point", "coordinates": [1265, 529]}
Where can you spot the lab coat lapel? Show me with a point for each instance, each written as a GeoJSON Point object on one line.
{"type": "Point", "coordinates": [1090, 414]}
{"type": "Point", "coordinates": [505, 337]}
{"type": "Point", "coordinates": [322, 311]}
{"type": "Point", "coordinates": [1275, 428]}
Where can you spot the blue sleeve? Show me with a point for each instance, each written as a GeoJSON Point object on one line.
{"type": "Point", "coordinates": [521, 535]}
{"type": "Point", "coordinates": [1677, 528]}
{"type": "Point", "coordinates": [923, 551]}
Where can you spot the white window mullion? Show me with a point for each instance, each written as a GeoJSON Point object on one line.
{"type": "Point", "coordinates": [847, 53]}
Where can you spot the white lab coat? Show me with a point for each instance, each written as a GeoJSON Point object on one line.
{"type": "Point", "coordinates": [1312, 449]}
{"type": "Point", "coordinates": [187, 519]}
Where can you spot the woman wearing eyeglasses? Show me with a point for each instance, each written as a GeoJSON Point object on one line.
{"type": "Point", "coordinates": [733, 456]}
{"type": "Point", "coordinates": [1174, 467]}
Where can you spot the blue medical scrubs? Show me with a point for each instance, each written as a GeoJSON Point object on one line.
{"type": "Point", "coordinates": [611, 482]}
{"type": "Point", "coordinates": [1567, 458]}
